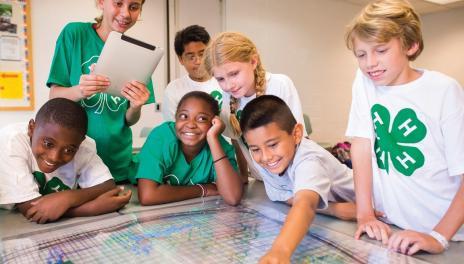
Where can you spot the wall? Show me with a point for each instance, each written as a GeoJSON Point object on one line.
{"type": "Point", "coordinates": [151, 28]}
{"type": "Point", "coordinates": [300, 38]}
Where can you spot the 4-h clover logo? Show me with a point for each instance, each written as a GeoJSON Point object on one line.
{"type": "Point", "coordinates": [51, 186]}
{"type": "Point", "coordinates": [395, 143]}
{"type": "Point", "coordinates": [218, 97]}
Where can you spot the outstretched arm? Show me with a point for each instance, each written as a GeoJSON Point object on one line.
{"type": "Point", "coordinates": [296, 226]}
{"type": "Point", "coordinates": [52, 206]}
{"type": "Point", "coordinates": [152, 193]}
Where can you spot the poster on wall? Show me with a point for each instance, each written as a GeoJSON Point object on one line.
{"type": "Point", "coordinates": [16, 82]}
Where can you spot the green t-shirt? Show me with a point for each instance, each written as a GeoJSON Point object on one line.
{"type": "Point", "coordinates": [77, 48]}
{"type": "Point", "coordinates": [162, 159]}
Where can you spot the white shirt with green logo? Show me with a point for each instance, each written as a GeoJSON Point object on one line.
{"type": "Point", "coordinates": [179, 87]}
{"type": "Point", "coordinates": [416, 131]}
{"type": "Point", "coordinates": [21, 179]}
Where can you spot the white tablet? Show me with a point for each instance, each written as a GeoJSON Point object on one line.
{"type": "Point", "coordinates": [124, 59]}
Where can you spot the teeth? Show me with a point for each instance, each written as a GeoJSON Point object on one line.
{"type": "Point", "coordinates": [189, 134]}
{"type": "Point", "coordinates": [272, 164]}
{"type": "Point", "coordinates": [375, 73]}
{"type": "Point", "coordinates": [49, 164]}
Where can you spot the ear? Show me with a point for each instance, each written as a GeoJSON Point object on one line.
{"type": "Point", "coordinates": [181, 60]}
{"type": "Point", "coordinates": [254, 60]}
{"type": "Point", "coordinates": [30, 128]}
{"type": "Point", "coordinates": [413, 49]}
{"type": "Point", "coordinates": [100, 4]}
{"type": "Point", "coordinates": [297, 133]}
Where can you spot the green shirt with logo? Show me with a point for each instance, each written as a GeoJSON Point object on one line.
{"type": "Point", "coordinates": [77, 48]}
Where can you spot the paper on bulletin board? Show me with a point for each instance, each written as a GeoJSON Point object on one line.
{"type": "Point", "coordinates": [10, 48]}
{"type": "Point", "coordinates": [11, 85]}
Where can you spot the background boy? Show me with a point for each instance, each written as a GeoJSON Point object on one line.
{"type": "Point", "coordinates": [44, 163]}
{"type": "Point", "coordinates": [407, 126]}
{"type": "Point", "coordinates": [295, 170]}
{"type": "Point", "coordinates": [189, 44]}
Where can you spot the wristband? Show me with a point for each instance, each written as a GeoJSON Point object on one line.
{"type": "Point", "coordinates": [223, 157]}
{"type": "Point", "coordinates": [203, 190]}
{"type": "Point", "coordinates": [440, 238]}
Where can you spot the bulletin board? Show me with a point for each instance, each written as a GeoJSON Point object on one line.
{"type": "Point", "coordinates": [16, 75]}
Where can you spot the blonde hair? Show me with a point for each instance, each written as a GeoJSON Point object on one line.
{"type": "Point", "coordinates": [99, 19]}
{"type": "Point", "coordinates": [234, 47]}
{"type": "Point", "coordinates": [382, 20]}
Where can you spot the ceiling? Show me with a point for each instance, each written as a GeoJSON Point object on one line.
{"type": "Point", "coordinates": [421, 6]}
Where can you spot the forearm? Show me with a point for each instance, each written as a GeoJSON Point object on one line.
{"type": "Point", "coordinates": [454, 216]}
{"type": "Point", "coordinates": [151, 193]}
{"type": "Point", "coordinates": [297, 223]}
{"type": "Point", "coordinates": [82, 196]}
{"type": "Point", "coordinates": [71, 93]}
{"type": "Point", "coordinates": [362, 172]}
{"type": "Point", "coordinates": [228, 182]}
{"type": "Point", "coordinates": [241, 162]}
{"type": "Point", "coordinates": [133, 115]}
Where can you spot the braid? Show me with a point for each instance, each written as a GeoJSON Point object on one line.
{"type": "Point", "coordinates": [260, 80]}
{"type": "Point", "coordinates": [234, 104]}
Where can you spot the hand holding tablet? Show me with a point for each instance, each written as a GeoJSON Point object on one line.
{"type": "Point", "coordinates": [124, 59]}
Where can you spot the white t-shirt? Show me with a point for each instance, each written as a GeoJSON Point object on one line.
{"type": "Point", "coordinates": [276, 84]}
{"type": "Point", "coordinates": [179, 87]}
{"type": "Point", "coordinates": [313, 168]}
{"type": "Point", "coordinates": [20, 175]}
{"type": "Point", "coordinates": [418, 147]}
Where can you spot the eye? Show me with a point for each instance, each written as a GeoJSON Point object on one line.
{"type": "Point", "coordinates": [381, 50]}
{"type": "Point", "coordinates": [273, 145]}
{"type": "Point", "coordinates": [70, 151]}
{"type": "Point", "coordinates": [219, 79]}
{"type": "Point", "coordinates": [182, 116]}
{"type": "Point", "coordinates": [359, 55]}
{"type": "Point", "coordinates": [118, 3]}
{"type": "Point", "coordinates": [234, 73]}
{"type": "Point", "coordinates": [135, 7]}
{"type": "Point", "coordinates": [47, 144]}
{"type": "Point", "coordinates": [254, 150]}
{"type": "Point", "coordinates": [203, 119]}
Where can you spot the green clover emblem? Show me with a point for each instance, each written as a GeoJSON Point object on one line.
{"type": "Point", "coordinates": [218, 97]}
{"type": "Point", "coordinates": [395, 143]}
{"type": "Point", "coordinates": [53, 185]}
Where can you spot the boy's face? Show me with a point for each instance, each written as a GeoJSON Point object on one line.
{"type": "Point", "coordinates": [273, 148]}
{"type": "Point", "coordinates": [193, 120]}
{"type": "Point", "coordinates": [53, 145]}
{"type": "Point", "coordinates": [191, 60]}
{"type": "Point", "coordinates": [386, 64]}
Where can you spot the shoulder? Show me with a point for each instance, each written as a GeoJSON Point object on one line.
{"type": "Point", "coordinates": [279, 84]}
{"type": "Point", "coordinates": [76, 27]}
{"type": "Point", "coordinates": [14, 139]}
{"type": "Point", "coordinates": [163, 134]}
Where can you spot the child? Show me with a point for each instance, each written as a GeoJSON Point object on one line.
{"type": "Point", "coordinates": [407, 126]}
{"type": "Point", "coordinates": [188, 158]}
{"type": "Point", "coordinates": [190, 44]}
{"type": "Point", "coordinates": [50, 168]}
{"type": "Point", "coordinates": [234, 61]}
{"type": "Point", "coordinates": [110, 117]}
{"type": "Point", "coordinates": [295, 170]}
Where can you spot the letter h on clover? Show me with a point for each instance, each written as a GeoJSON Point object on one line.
{"type": "Point", "coordinates": [395, 144]}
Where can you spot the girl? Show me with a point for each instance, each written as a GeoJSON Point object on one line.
{"type": "Point", "coordinates": [234, 61]}
{"type": "Point", "coordinates": [189, 158]}
{"type": "Point", "coordinates": [77, 48]}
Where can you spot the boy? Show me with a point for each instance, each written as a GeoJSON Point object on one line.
{"type": "Point", "coordinates": [50, 168]}
{"type": "Point", "coordinates": [407, 126]}
{"type": "Point", "coordinates": [190, 43]}
{"type": "Point", "coordinates": [295, 170]}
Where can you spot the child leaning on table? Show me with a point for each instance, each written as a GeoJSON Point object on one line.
{"type": "Point", "coordinates": [295, 170]}
{"type": "Point", "coordinates": [407, 126]}
{"type": "Point", "coordinates": [51, 169]}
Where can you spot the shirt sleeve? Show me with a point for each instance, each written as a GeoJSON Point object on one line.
{"type": "Point", "coordinates": [169, 105]}
{"type": "Point", "coordinates": [17, 183]}
{"type": "Point", "coordinates": [360, 121]}
{"type": "Point", "coordinates": [452, 126]}
{"type": "Point", "coordinates": [152, 163]}
{"type": "Point", "coordinates": [92, 170]}
{"type": "Point", "coordinates": [60, 70]}
{"type": "Point", "coordinates": [310, 174]}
